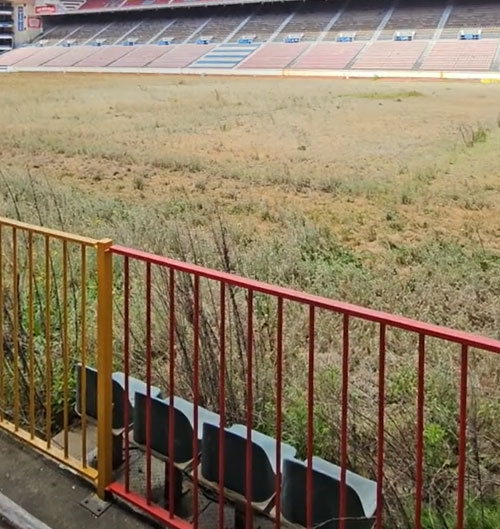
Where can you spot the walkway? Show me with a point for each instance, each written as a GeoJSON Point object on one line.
{"type": "Point", "coordinates": [53, 495]}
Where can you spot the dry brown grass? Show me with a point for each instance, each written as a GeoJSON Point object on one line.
{"type": "Point", "coordinates": [371, 192]}
{"type": "Point", "coordinates": [342, 153]}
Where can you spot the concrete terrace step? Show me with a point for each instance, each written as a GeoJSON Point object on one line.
{"type": "Point", "coordinates": [329, 55]}
{"type": "Point", "coordinates": [461, 55]}
{"type": "Point", "coordinates": [391, 55]}
{"type": "Point", "coordinates": [275, 55]}
{"type": "Point", "coordinates": [141, 56]}
{"type": "Point", "coordinates": [181, 56]}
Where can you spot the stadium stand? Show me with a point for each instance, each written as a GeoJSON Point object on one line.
{"type": "Point", "coordinates": [296, 35]}
{"type": "Point", "coordinates": [328, 55]}
{"type": "Point", "coordinates": [58, 32]}
{"type": "Point", "coordinates": [140, 57]}
{"type": "Point", "coordinates": [274, 55]}
{"type": "Point", "coordinates": [390, 55]}
{"type": "Point", "coordinates": [88, 30]}
{"type": "Point", "coordinates": [266, 21]}
{"type": "Point", "coordinates": [99, 5]}
{"type": "Point", "coordinates": [72, 5]}
{"type": "Point", "coordinates": [42, 56]}
{"type": "Point", "coordinates": [187, 27]}
{"type": "Point", "coordinates": [151, 29]}
{"type": "Point", "coordinates": [461, 55]}
{"type": "Point", "coordinates": [484, 15]}
{"type": "Point", "coordinates": [221, 26]}
{"type": "Point", "coordinates": [103, 57]}
{"type": "Point", "coordinates": [416, 16]}
{"type": "Point", "coordinates": [361, 17]}
{"type": "Point", "coordinates": [17, 55]}
{"type": "Point", "coordinates": [71, 57]}
{"type": "Point", "coordinates": [117, 31]}
{"type": "Point", "coordinates": [310, 20]}
{"type": "Point", "coordinates": [225, 56]}
{"type": "Point", "coordinates": [181, 56]}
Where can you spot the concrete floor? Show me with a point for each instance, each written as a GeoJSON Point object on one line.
{"type": "Point", "coordinates": [52, 494]}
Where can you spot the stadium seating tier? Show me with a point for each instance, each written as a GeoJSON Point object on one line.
{"type": "Point", "coordinates": [318, 34]}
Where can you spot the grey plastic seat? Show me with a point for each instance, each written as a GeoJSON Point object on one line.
{"type": "Point", "coordinates": [160, 425]}
{"type": "Point", "coordinates": [235, 442]}
{"type": "Point", "coordinates": [118, 388]}
{"type": "Point", "coordinates": [361, 495]}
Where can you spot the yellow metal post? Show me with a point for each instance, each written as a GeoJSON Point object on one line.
{"type": "Point", "coordinates": [104, 365]}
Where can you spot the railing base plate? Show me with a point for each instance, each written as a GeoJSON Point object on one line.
{"type": "Point", "coordinates": [95, 505]}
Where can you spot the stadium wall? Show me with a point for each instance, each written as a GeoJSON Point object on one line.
{"type": "Point", "coordinates": [286, 72]}
{"type": "Point", "coordinates": [27, 25]}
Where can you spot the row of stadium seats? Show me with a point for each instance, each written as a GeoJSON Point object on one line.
{"type": "Point", "coordinates": [382, 55]}
{"type": "Point", "coordinates": [360, 491]}
{"type": "Point", "coordinates": [314, 19]}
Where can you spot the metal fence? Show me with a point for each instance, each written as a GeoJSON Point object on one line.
{"type": "Point", "coordinates": [238, 359]}
{"type": "Point", "coordinates": [198, 301]}
{"type": "Point", "coordinates": [48, 293]}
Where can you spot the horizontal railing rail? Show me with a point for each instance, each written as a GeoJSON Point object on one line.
{"type": "Point", "coordinates": [53, 234]}
{"type": "Point", "coordinates": [400, 322]}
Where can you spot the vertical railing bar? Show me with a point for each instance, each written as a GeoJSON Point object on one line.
{"type": "Point", "coordinates": [126, 364]}
{"type": "Point", "coordinates": [249, 418]}
{"type": "Point", "coordinates": [420, 431]}
{"type": "Point", "coordinates": [2, 353]}
{"type": "Point", "coordinates": [31, 331]}
{"type": "Point", "coordinates": [148, 382]}
{"type": "Point", "coordinates": [104, 365]}
{"type": "Point", "coordinates": [279, 410]}
{"type": "Point", "coordinates": [196, 396]}
{"type": "Point", "coordinates": [310, 418]}
{"type": "Point", "coordinates": [462, 437]}
{"type": "Point", "coordinates": [171, 416]}
{"type": "Point", "coordinates": [83, 314]}
{"type": "Point", "coordinates": [15, 321]}
{"type": "Point", "coordinates": [381, 426]}
{"type": "Point", "coordinates": [65, 351]}
{"type": "Point", "coordinates": [48, 354]}
{"type": "Point", "coordinates": [343, 421]}
{"type": "Point", "coordinates": [222, 400]}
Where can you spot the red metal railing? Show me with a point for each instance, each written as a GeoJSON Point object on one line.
{"type": "Point", "coordinates": [170, 271]}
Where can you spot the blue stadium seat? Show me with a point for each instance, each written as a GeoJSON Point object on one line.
{"type": "Point", "coordinates": [263, 460]}
{"type": "Point", "coordinates": [160, 423]}
{"type": "Point", "coordinates": [118, 381]}
{"type": "Point", "coordinates": [361, 495]}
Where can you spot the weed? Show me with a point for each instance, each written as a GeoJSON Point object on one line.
{"type": "Point", "coordinates": [472, 135]}
{"type": "Point", "coordinates": [139, 182]}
